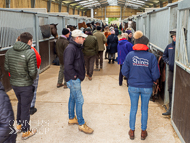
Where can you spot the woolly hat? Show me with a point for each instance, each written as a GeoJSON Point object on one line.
{"type": "Point", "coordinates": [65, 31]}
{"type": "Point", "coordinates": [99, 28]}
{"type": "Point", "coordinates": [128, 32]}
{"type": "Point", "coordinates": [88, 29]}
{"type": "Point", "coordinates": [140, 38]}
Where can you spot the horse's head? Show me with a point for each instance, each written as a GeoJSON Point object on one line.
{"type": "Point", "coordinates": [53, 28]}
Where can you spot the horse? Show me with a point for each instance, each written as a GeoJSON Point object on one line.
{"type": "Point", "coordinates": [48, 30]}
{"type": "Point", "coordinates": [131, 25]}
{"type": "Point", "coordinates": [83, 24]}
{"type": "Point", "coordinates": [72, 27]}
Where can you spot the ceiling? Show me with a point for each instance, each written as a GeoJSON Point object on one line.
{"type": "Point", "coordinates": [92, 4]}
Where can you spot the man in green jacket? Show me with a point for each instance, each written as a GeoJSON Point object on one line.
{"type": "Point", "coordinates": [20, 62]}
{"type": "Point", "coordinates": [61, 44]}
{"type": "Point", "coordinates": [90, 51]}
{"type": "Point", "coordinates": [101, 38]}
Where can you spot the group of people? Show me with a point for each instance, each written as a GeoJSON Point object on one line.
{"type": "Point", "coordinates": [139, 66]}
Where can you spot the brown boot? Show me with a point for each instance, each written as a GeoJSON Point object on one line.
{"type": "Point", "coordinates": [131, 134]}
{"type": "Point", "coordinates": [73, 121]}
{"type": "Point", "coordinates": [84, 128]}
{"type": "Point", "coordinates": [65, 86]}
{"type": "Point", "coordinates": [60, 85]}
{"type": "Point", "coordinates": [28, 134]}
{"type": "Point", "coordinates": [144, 134]}
{"type": "Point", "coordinates": [90, 78]}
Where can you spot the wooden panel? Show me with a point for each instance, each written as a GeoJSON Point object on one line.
{"type": "Point", "coordinates": [2, 4]}
{"type": "Point", "coordinates": [80, 13]}
{"type": "Point", "coordinates": [41, 4]}
{"type": "Point", "coordinates": [181, 114]}
{"type": "Point", "coordinates": [54, 7]}
{"type": "Point", "coordinates": [70, 11]}
{"type": "Point", "coordinates": [20, 4]}
{"type": "Point", "coordinates": [64, 9]}
{"type": "Point", "coordinates": [89, 13]}
{"type": "Point", "coordinates": [76, 12]}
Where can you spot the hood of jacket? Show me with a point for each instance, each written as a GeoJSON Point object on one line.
{"type": "Point", "coordinates": [122, 41]}
{"type": "Point", "coordinates": [140, 47]}
{"type": "Point", "coordinates": [20, 46]}
{"type": "Point", "coordinates": [75, 44]}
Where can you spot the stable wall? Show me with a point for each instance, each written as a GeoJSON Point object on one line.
{"type": "Point", "coordinates": [38, 4]}
{"type": "Point", "coordinates": [114, 11]}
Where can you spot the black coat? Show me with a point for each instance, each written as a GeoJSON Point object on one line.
{"type": "Point", "coordinates": [74, 61]}
{"type": "Point", "coordinates": [6, 118]}
{"type": "Point", "coordinates": [113, 40]}
{"type": "Point", "coordinates": [116, 31]}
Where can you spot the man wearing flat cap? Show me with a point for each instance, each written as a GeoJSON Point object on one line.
{"type": "Point", "coordinates": [169, 57]}
{"type": "Point", "coordinates": [61, 44]}
{"type": "Point", "coordinates": [74, 75]}
{"type": "Point", "coordinates": [101, 38]}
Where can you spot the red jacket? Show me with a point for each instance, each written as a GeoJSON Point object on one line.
{"type": "Point", "coordinates": [38, 57]}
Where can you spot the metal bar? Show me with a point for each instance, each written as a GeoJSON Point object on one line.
{"type": "Point", "coordinates": [5, 48]}
{"type": "Point", "coordinates": [12, 10]}
{"type": "Point", "coordinates": [49, 5]}
{"type": "Point", "coordinates": [158, 48]}
{"type": "Point", "coordinates": [177, 131]}
{"type": "Point", "coordinates": [7, 3]}
{"type": "Point", "coordinates": [184, 67]}
{"type": "Point", "coordinates": [33, 3]}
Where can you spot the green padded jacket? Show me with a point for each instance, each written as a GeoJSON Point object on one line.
{"type": "Point", "coordinates": [20, 62]}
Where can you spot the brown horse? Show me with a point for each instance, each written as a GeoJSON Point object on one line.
{"type": "Point", "coordinates": [83, 24]}
{"type": "Point", "coordinates": [48, 30]}
{"type": "Point", "coordinates": [71, 27]}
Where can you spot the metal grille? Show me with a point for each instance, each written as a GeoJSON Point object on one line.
{"type": "Point", "coordinates": [12, 24]}
{"type": "Point", "coordinates": [73, 21]}
{"type": "Point", "coordinates": [42, 21]}
{"type": "Point", "coordinates": [159, 23]}
{"type": "Point", "coordinates": [183, 51]}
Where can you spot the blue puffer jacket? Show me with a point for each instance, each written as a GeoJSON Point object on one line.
{"type": "Point", "coordinates": [7, 131]}
{"type": "Point", "coordinates": [140, 67]}
{"type": "Point", "coordinates": [123, 48]}
{"type": "Point", "coordinates": [169, 55]}
{"type": "Point", "coordinates": [113, 40]}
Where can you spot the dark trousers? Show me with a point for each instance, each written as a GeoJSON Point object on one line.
{"type": "Point", "coordinates": [7, 135]}
{"type": "Point", "coordinates": [24, 95]}
{"type": "Point", "coordinates": [99, 56]}
{"type": "Point", "coordinates": [89, 63]}
{"type": "Point", "coordinates": [120, 76]}
{"type": "Point", "coordinates": [170, 86]}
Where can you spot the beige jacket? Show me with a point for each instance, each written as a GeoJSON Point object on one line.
{"type": "Point", "coordinates": [101, 38]}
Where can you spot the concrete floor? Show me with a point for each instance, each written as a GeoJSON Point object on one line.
{"type": "Point", "coordinates": [106, 110]}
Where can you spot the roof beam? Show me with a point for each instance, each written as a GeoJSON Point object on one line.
{"type": "Point", "coordinates": [8, 3]}
{"type": "Point", "coordinates": [33, 3]}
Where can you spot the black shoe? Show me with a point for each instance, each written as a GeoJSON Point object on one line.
{"type": "Point", "coordinates": [167, 112]}
{"type": "Point", "coordinates": [33, 110]}
{"type": "Point", "coordinates": [113, 61]}
{"type": "Point", "coordinates": [109, 62]}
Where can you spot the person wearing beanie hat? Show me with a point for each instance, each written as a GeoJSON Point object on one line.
{"type": "Point", "coordinates": [141, 69]}
{"type": "Point", "coordinates": [130, 36]}
{"type": "Point", "coordinates": [99, 28]}
{"type": "Point", "coordinates": [101, 38]}
{"type": "Point", "coordinates": [112, 46]}
{"type": "Point", "coordinates": [61, 44]}
{"type": "Point", "coordinates": [169, 57]}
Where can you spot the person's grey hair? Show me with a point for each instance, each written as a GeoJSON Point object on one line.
{"type": "Point", "coordinates": [124, 35]}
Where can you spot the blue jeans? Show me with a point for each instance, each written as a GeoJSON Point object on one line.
{"type": "Point", "coordinates": [134, 93]}
{"type": "Point", "coordinates": [76, 97]}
